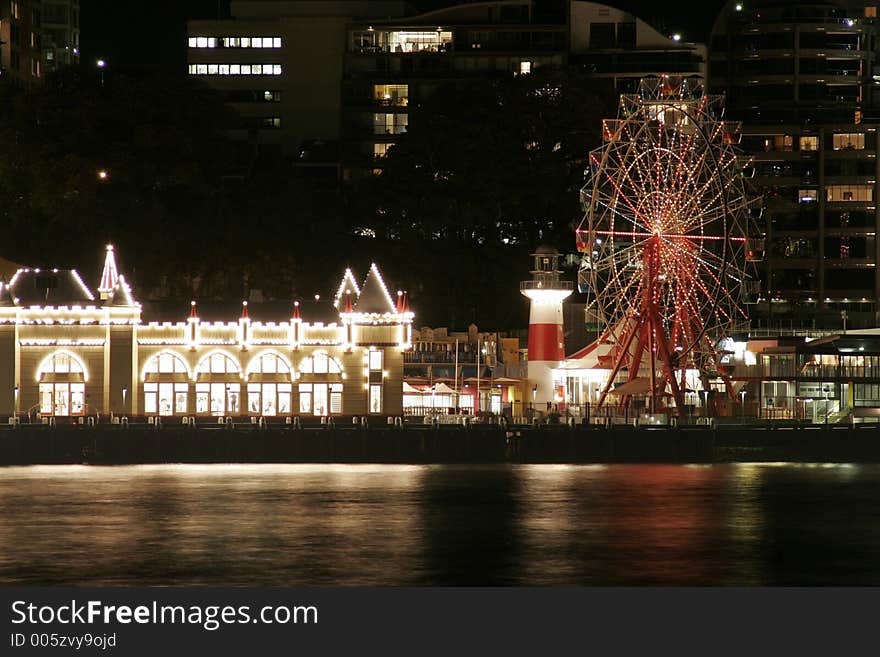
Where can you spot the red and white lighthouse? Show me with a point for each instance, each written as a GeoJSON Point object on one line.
{"type": "Point", "coordinates": [546, 338]}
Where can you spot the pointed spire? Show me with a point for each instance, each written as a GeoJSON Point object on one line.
{"type": "Point", "coordinates": [399, 301]}
{"type": "Point", "coordinates": [348, 307]}
{"type": "Point", "coordinates": [296, 311]}
{"type": "Point", "coordinates": [121, 294]}
{"type": "Point", "coordinates": [374, 297]}
{"type": "Point", "coordinates": [244, 310]}
{"type": "Point", "coordinates": [109, 276]}
{"type": "Point", "coordinates": [348, 284]}
{"type": "Point", "coordinates": [192, 310]}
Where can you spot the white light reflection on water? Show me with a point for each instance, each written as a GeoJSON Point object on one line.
{"type": "Point", "coordinates": [408, 525]}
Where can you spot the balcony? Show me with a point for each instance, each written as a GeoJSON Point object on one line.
{"type": "Point", "coordinates": [543, 285]}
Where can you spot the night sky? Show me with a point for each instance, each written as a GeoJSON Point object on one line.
{"type": "Point", "coordinates": [150, 35]}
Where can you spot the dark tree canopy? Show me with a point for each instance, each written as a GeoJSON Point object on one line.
{"type": "Point", "coordinates": [487, 172]}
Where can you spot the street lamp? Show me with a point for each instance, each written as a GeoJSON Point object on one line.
{"type": "Point", "coordinates": [124, 395]}
{"type": "Point", "coordinates": [825, 393]}
{"type": "Point", "coordinates": [742, 403]}
{"type": "Point", "coordinates": [15, 403]}
{"type": "Point", "coordinates": [101, 64]}
{"type": "Point", "coordinates": [705, 395]}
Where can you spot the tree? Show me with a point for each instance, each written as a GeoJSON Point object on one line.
{"type": "Point", "coordinates": [486, 173]}
{"type": "Point", "coordinates": [135, 161]}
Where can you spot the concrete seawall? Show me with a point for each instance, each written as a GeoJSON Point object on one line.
{"type": "Point", "coordinates": [453, 444]}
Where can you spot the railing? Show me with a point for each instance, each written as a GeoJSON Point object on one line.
{"type": "Point", "coordinates": [544, 285]}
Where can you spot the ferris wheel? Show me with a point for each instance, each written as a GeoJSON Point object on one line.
{"type": "Point", "coordinates": [666, 235]}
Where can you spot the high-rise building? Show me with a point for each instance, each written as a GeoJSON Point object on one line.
{"type": "Point", "coordinates": [279, 65]}
{"type": "Point", "coordinates": [332, 82]}
{"type": "Point", "coordinates": [20, 40]}
{"type": "Point", "coordinates": [614, 44]}
{"type": "Point", "coordinates": [60, 29]}
{"type": "Point", "coordinates": [803, 79]}
{"type": "Point", "coordinates": [398, 62]}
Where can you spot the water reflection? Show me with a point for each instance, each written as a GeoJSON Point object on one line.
{"type": "Point", "coordinates": [427, 525]}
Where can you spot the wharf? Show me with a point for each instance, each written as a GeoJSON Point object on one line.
{"type": "Point", "coordinates": [113, 444]}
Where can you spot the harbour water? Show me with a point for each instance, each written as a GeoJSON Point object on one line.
{"type": "Point", "coordinates": [300, 525]}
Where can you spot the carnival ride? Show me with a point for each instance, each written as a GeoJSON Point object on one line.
{"type": "Point", "coordinates": [668, 239]}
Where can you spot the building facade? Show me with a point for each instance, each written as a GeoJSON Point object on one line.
{"type": "Point", "coordinates": [21, 41]}
{"type": "Point", "coordinates": [60, 34]}
{"type": "Point", "coordinates": [803, 79]}
{"type": "Point", "coordinates": [68, 351]}
{"type": "Point", "coordinates": [305, 74]}
{"type": "Point", "coordinates": [614, 44]}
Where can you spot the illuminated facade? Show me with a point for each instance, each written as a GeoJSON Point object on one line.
{"type": "Point", "coordinates": [67, 351]}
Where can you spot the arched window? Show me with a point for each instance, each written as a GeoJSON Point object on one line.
{"type": "Point", "coordinates": [269, 385]}
{"type": "Point", "coordinates": [320, 389]}
{"type": "Point", "coordinates": [218, 385]}
{"type": "Point", "coordinates": [62, 389]}
{"type": "Point", "coordinates": [166, 384]}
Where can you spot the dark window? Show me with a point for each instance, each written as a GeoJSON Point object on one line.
{"type": "Point", "coordinates": [601, 35]}
{"type": "Point", "coordinates": [626, 35]}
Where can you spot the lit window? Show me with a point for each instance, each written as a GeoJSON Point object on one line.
{"type": "Point", "coordinates": [376, 360]}
{"type": "Point", "coordinates": [64, 393]}
{"type": "Point", "coordinates": [165, 363]}
{"type": "Point", "coordinates": [390, 124]}
{"type": "Point", "coordinates": [525, 68]}
{"type": "Point", "coordinates": [380, 150]}
{"type": "Point", "coordinates": [245, 42]}
{"type": "Point", "coordinates": [779, 143]}
{"type": "Point", "coordinates": [807, 196]}
{"type": "Point", "coordinates": [276, 42]}
{"type": "Point", "coordinates": [165, 398]}
{"type": "Point", "coordinates": [849, 141]}
{"type": "Point", "coordinates": [217, 363]}
{"type": "Point", "coordinates": [809, 143]}
{"type": "Point", "coordinates": [856, 193]}
{"type": "Point", "coordinates": [269, 399]}
{"type": "Point", "coordinates": [391, 95]}
{"type": "Point", "coordinates": [235, 69]}
{"type": "Point", "coordinates": [202, 42]}
{"type": "Point", "coordinates": [375, 398]}
{"type": "Point", "coordinates": [320, 399]}
{"type": "Point", "coordinates": [320, 363]}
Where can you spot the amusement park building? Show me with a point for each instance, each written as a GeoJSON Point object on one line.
{"type": "Point", "coordinates": [66, 350]}
{"type": "Point", "coordinates": [803, 79]}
